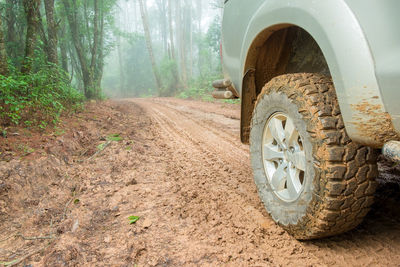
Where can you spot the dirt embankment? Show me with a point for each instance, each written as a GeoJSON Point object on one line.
{"type": "Point", "coordinates": [180, 166]}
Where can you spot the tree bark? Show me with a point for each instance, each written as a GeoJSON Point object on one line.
{"type": "Point", "coordinates": [3, 53]}
{"type": "Point", "coordinates": [32, 18]}
{"type": "Point", "coordinates": [149, 44]}
{"type": "Point", "coordinates": [52, 41]}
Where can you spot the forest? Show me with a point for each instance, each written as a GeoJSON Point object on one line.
{"type": "Point", "coordinates": [55, 54]}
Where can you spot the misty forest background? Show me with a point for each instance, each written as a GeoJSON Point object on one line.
{"type": "Point", "coordinates": [55, 54]}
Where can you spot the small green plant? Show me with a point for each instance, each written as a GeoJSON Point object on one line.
{"type": "Point", "coordinates": [3, 133]}
{"type": "Point", "coordinates": [25, 149]}
{"type": "Point", "coordinates": [76, 201]}
{"type": "Point", "coordinates": [43, 125]}
{"type": "Point", "coordinates": [114, 137]}
{"type": "Point", "coordinates": [59, 132]}
{"type": "Point", "coordinates": [101, 147]}
{"type": "Point", "coordinates": [133, 219]}
{"type": "Point", "coordinates": [28, 150]}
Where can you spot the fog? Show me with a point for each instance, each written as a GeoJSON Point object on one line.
{"type": "Point", "coordinates": [163, 48]}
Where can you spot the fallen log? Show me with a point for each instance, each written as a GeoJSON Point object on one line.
{"type": "Point", "coordinates": [222, 94]}
{"type": "Point", "coordinates": [222, 83]}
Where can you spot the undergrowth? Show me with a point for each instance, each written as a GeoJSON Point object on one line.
{"type": "Point", "coordinates": [200, 89]}
{"type": "Point", "coordinates": [37, 99]}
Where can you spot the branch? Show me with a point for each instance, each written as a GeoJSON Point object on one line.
{"type": "Point", "coordinates": [17, 261]}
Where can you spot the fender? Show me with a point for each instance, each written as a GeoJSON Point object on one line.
{"type": "Point", "coordinates": [337, 31]}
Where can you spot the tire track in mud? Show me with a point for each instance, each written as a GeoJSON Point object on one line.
{"type": "Point", "coordinates": [213, 172]}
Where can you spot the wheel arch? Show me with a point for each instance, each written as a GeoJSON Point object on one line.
{"type": "Point", "coordinates": [337, 33]}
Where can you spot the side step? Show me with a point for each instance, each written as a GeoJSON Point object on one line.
{"type": "Point", "coordinates": [223, 90]}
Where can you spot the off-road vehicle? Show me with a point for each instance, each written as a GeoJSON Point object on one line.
{"type": "Point", "coordinates": [320, 89]}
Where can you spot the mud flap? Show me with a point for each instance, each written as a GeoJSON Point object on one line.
{"type": "Point", "coordinates": [249, 98]}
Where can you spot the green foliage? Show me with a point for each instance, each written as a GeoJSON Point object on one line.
{"type": "Point", "coordinates": [25, 149]}
{"type": "Point", "coordinates": [133, 219]}
{"type": "Point", "coordinates": [37, 99]}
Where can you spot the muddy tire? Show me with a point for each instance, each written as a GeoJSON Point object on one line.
{"type": "Point", "coordinates": [313, 180]}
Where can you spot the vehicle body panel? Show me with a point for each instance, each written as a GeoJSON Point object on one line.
{"type": "Point", "coordinates": [380, 22]}
{"type": "Point", "coordinates": [337, 30]}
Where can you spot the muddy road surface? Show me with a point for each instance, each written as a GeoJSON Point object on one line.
{"type": "Point", "coordinates": [178, 165]}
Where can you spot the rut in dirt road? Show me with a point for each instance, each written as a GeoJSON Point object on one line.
{"type": "Point", "coordinates": [182, 169]}
{"type": "Point", "coordinates": [228, 187]}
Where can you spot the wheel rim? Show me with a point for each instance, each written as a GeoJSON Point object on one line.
{"type": "Point", "coordinates": [283, 157]}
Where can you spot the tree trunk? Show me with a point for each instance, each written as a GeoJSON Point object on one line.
{"type": "Point", "coordinates": [3, 53]}
{"type": "Point", "coordinates": [32, 18]}
{"type": "Point", "coordinates": [11, 34]}
{"type": "Point", "coordinates": [87, 78]}
{"type": "Point", "coordinates": [162, 8]}
{"type": "Point", "coordinates": [181, 43]}
{"type": "Point", "coordinates": [199, 19]}
{"type": "Point", "coordinates": [149, 44]}
{"type": "Point", "coordinates": [175, 72]}
{"type": "Point", "coordinates": [190, 29]}
{"type": "Point", "coordinates": [95, 36]}
{"type": "Point", "coordinates": [121, 67]}
{"type": "Point", "coordinates": [100, 57]}
{"type": "Point", "coordinates": [51, 32]}
{"type": "Point", "coordinates": [63, 49]}
{"type": "Point", "coordinates": [171, 31]}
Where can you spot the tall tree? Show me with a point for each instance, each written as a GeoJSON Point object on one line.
{"type": "Point", "coordinates": [89, 62]}
{"type": "Point", "coordinates": [51, 32]}
{"type": "Point", "coordinates": [162, 9]}
{"type": "Point", "coordinates": [171, 31]}
{"type": "Point", "coordinates": [11, 32]}
{"type": "Point", "coordinates": [175, 72]}
{"type": "Point", "coordinates": [31, 8]}
{"type": "Point", "coordinates": [181, 43]}
{"type": "Point", "coordinates": [143, 12]}
{"type": "Point", "coordinates": [99, 63]}
{"type": "Point", "coordinates": [63, 43]}
{"type": "Point", "coordinates": [3, 53]}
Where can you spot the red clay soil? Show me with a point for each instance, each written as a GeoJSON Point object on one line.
{"type": "Point", "coordinates": [65, 198]}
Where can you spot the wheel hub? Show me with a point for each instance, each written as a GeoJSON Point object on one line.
{"type": "Point", "coordinates": [283, 157]}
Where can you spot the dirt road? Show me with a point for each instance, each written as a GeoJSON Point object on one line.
{"type": "Point", "coordinates": [182, 169]}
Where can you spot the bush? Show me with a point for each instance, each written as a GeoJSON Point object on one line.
{"type": "Point", "coordinates": [37, 99]}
